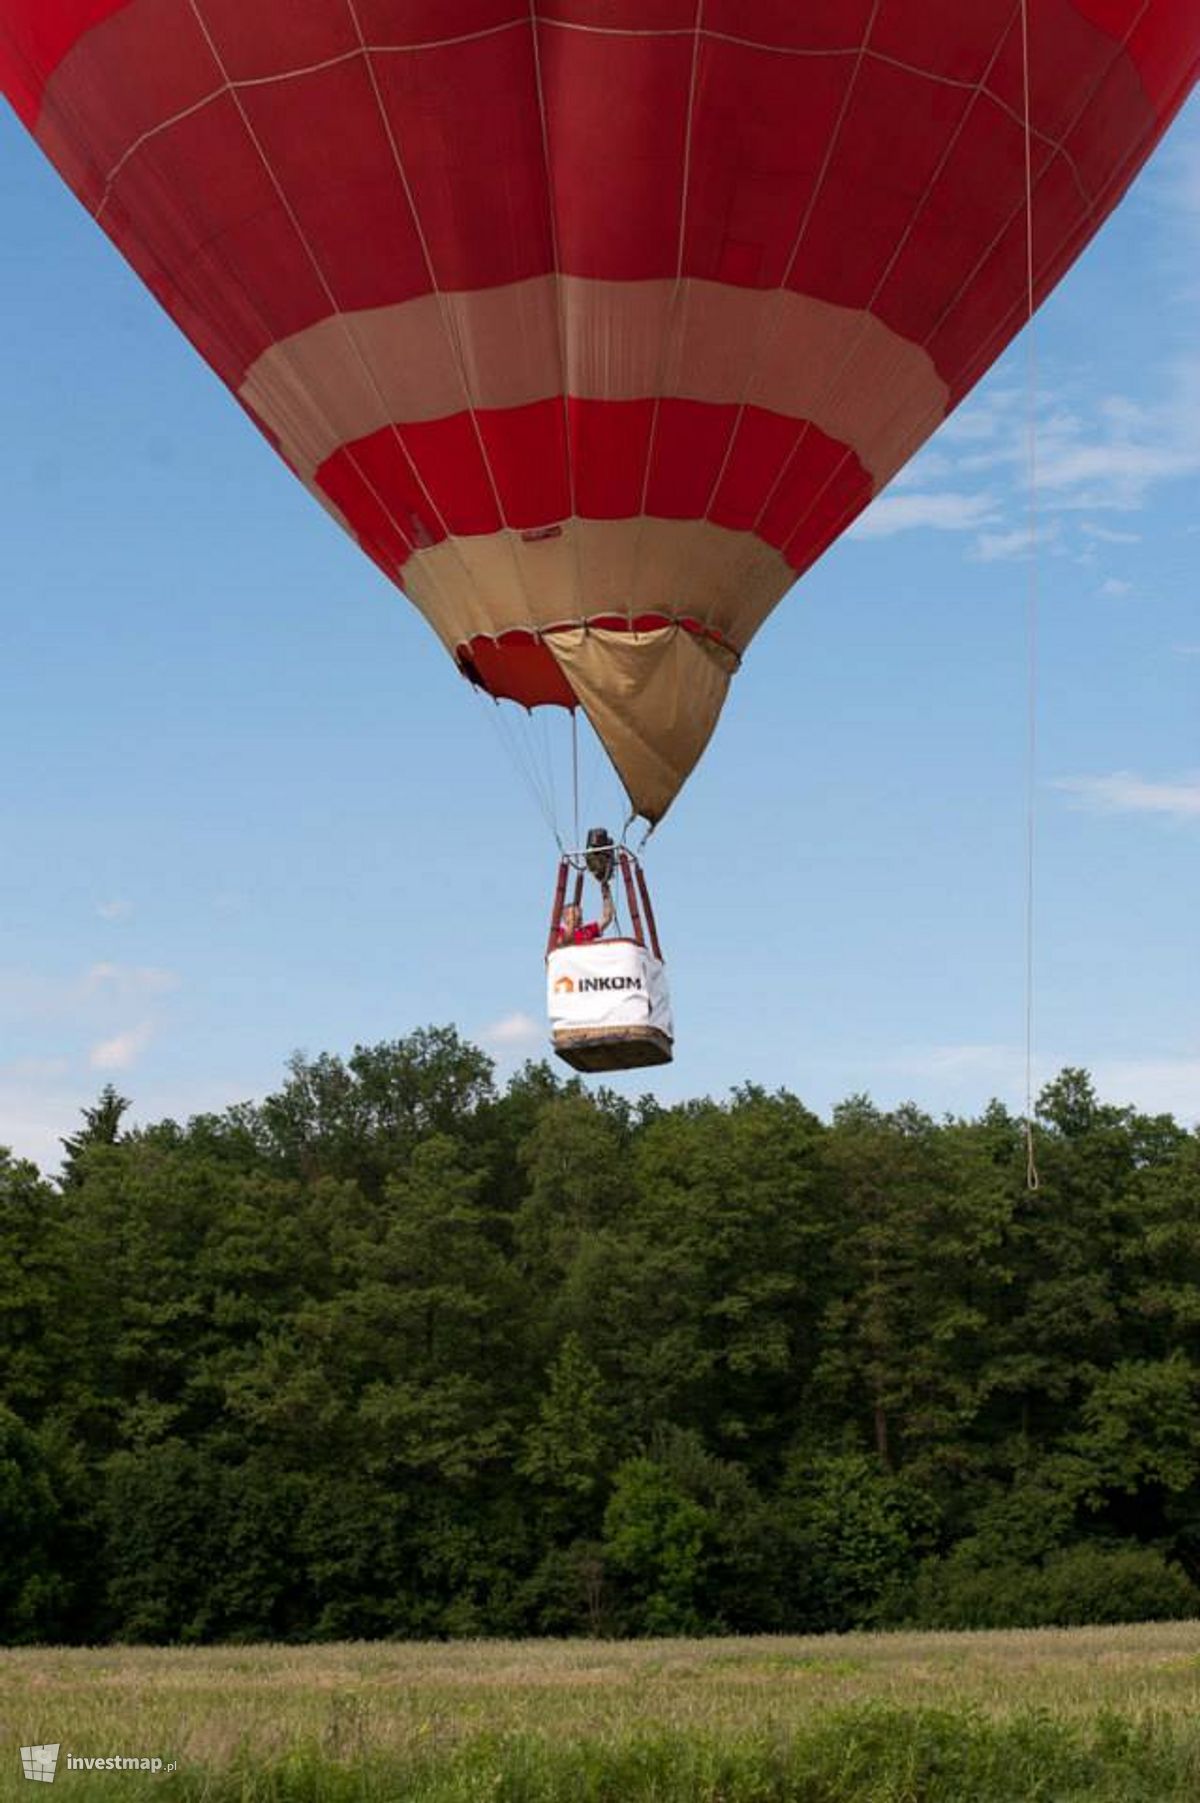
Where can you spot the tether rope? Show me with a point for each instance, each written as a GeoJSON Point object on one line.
{"type": "Point", "coordinates": [1032, 1179]}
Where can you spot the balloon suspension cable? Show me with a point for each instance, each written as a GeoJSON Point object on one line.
{"type": "Point", "coordinates": [523, 764]}
{"type": "Point", "coordinates": [1032, 1179]}
{"type": "Point", "coordinates": [575, 766]}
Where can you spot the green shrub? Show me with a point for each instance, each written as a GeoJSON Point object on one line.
{"type": "Point", "coordinates": [1080, 1585]}
{"type": "Point", "coordinates": [868, 1754]}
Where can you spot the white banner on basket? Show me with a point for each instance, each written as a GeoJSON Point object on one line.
{"type": "Point", "coordinates": [609, 983]}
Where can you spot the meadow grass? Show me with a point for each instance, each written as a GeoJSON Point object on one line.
{"type": "Point", "coordinates": [1103, 1714]}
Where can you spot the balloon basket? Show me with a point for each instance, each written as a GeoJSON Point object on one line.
{"type": "Point", "coordinates": [598, 1049]}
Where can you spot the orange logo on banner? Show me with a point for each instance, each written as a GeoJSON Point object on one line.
{"type": "Point", "coordinates": [564, 986]}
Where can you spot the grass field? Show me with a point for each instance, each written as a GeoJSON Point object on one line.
{"type": "Point", "coordinates": [1108, 1714]}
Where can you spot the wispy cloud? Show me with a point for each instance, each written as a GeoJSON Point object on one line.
{"type": "Point", "coordinates": [1002, 1065]}
{"type": "Point", "coordinates": [123, 1050]}
{"type": "Point", "coordinates": [947, 512]}
{"type": "Point", "coordinates": [990, 547]}
{"type": "Point", "coordinates": [1114, 589]}
{"type": "Point", "coordinates": [33, 1070]}
{"type": "Point", "coordinates": [965, 1076]}
{"type": "Point", "coordinates": [1124, 793]}
{"type": "Point", "coordinates": [513, 1030]}
{"type": "Point", "coordinates": [127, 980]}
{"type": "Point", "coordinates": [985, 417]}
{"type": "Point", "coordinates": [1094, 455]}
{"type": "Point", "coordinates": [1154, 1085]}
{"type": "Point", "coordinates": [1103, 456]}
{"type": "Point", "coordinates": [71, 1024]}
{"type": "Point", "coordinates": [116, 909]}
{"type": "Point", "coordinates": [34, 1113]}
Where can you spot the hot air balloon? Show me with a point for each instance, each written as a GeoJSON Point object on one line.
{"type": "Point", "coordinates": [595, 322]}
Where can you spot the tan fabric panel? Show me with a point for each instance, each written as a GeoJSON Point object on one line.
{"type": "Point", "coordinates": [431, 357]}
{"type": "Point", "coordinates": [499, 582]}
{"type": "Point", "coordinates": [653, 698]}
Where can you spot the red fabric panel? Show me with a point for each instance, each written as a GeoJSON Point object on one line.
{"type": "Point", "coordinates": [1068, 61]}
{"type": "Point", "coordinates": [761, 444]}
{"type": "Point", "coordinates": [754, 161]}
{"type": "Point", "coordinates": [431, 479]}
{"type": "Point", "coordinates": [1154, 48]}
{"type": "Point", "coordinates": [610, 442]}
{"type": "Point", "coordinates": [1152, 37]}
{"type": "Point", "coordinates": [690, 439]}
{"type": "Point", "coordinates": [894, 134]}
{"type": "Point", "coordinates": [959, 222]}
{"type": "Point", "coordinates": [788, 472]}
{"type": "Point", "coordinates": [526, 448]}
{"type": "Point", "coordinates": [616, 111]}
{"type": "Point", "coordinates": [974, 331]}
{"type": "Point", "coordinates": [376, 526]}
{"type": "Point", "coordinates": [35, 38]}
{"type": "Point", "coordinates": [103, 105]}
{"type": "Point", "coordinates": [434, 21]}
{"type": "Point", "coordinates": [1099, 140]}
{"type": "Point", "coordinates": [931, 36]}
{"type": "Point", "coordinates": [468, 129]}
{"type": "Point", "coordinates": [449, 459]}
{"type": "Point", "coordinates": [796, 504]}
{"type": "Point", "coordinates": [518, 667]}
{"type": "Point", "coordinates": [827, 512]}
{"type": "Point", "coordinates": [622, 15]}
{"type": "Point", "coordinates": [341, 184]}
{"type": "Point", "coordinates": [816, 25]}
{"type": "Point", "coordinates": [225, 245]}
{"type": "Point", "coordinates": [247, 36]}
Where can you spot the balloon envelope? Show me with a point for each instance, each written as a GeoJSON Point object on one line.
{"type": "Point", "coordinates": [596, 324]}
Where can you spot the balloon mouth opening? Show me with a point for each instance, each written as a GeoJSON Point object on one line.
{"type": "Point", "coordinates": [519, 665]}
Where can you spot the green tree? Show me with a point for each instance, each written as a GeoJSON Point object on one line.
{"type": "Point", "coordinates": [101, 1127]}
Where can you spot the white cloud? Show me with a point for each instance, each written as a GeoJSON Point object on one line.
{"type": "Point", "coordinates": [34, 1070]}
{"type": "Point", "coordinates": [1109, 535]}
{"type": "Point", "coordinates": [971, 1074]}
{"type": "Point", "coordinates": [984, 417]}
{"type": "Point", "coordinates": [1112, 588]}
{"type": "Point", "coordinates": [1124, 793]}
{"type": "Point", "coordinates": [127, 980]}
{"type": "Point", "coordinates": [1115, 474]}
{"type": "Point", "coordinates": [516, 1029]}
{"type": "Point", "coordinates": [929, 465]}
{"type": "Point", "coordinates": [1153, 1085]}
{"type": "Point", "coordinates": [990, 547]}
{"type": "Point", "coordinates": [894, 513]}
{"type": "Point", "coordinates": [116, 909]}
{"type": "Point", "coordinates": [33, 1119]}
{"type": "Point", "coordinates": [123, 1050]}
{"type": "Point", "coordinates": [1186, 650]}
{"type": "Point", "coordinates": [1001, 1065]}
{"type": "Point", "coordinates": [1103, 457]}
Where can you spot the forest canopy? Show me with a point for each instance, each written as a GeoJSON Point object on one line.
{"type": "Point", "coordinates": [399, 1351]}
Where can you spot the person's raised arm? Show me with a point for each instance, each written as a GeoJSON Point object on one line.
{"type": "Point", "coordinates": [606, 917]}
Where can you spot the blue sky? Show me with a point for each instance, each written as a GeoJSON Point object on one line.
{"type": "Point", "coordinates": [247, 806]}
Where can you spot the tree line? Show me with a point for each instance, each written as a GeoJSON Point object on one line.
{"type": "Point", "coordinates": [400, 1352]}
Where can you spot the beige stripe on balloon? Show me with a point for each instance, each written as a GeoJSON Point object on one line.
{"type": "Point", "coordinates": [841, 368]}
{"type": "Point", "coordinates": [500, 581]}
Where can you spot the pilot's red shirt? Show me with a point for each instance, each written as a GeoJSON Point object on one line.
{"type": "Point", "coordinates": [581, 936]}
